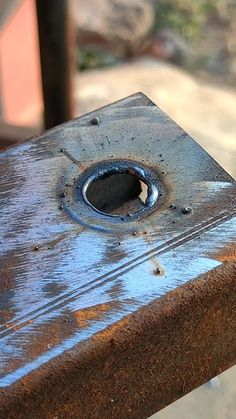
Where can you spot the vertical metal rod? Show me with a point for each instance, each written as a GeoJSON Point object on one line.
{"type": "Point", "coordinates": [56, 60]}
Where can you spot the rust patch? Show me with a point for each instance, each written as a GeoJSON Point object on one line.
{"type": "Point", "coordinates": [7, 279]}
{"type": "Point", "coordinates": [5, 316]}
{"type": "Point", "coordinates": [114, 253]}
{"type": "Point", "coordinates": [83, 317]}
{"type": "Point", "coordinates": [228, 254]}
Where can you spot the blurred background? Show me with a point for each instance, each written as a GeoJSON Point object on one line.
{"type": "Point", "coordinates": [181, 53]}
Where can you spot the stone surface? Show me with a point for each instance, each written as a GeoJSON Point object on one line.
{"type": "Point", "coordinates": [206, 112]}
{"type": "Point", "coordinates": [167, 45]}
{"type": "Point", "coordinates": [119, 22]}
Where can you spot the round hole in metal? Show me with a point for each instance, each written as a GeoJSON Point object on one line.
{"type": "Point", "coordinates": [120, 188]}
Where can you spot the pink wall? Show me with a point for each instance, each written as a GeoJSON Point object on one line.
{"type": "Point", "coordinates": [19, 67]}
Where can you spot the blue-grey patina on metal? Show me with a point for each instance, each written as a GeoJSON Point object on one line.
{"type": "Point", "coordinates": [69, 272]}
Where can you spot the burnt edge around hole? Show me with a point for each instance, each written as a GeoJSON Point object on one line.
{"type": "Point", "coordinates": [117, 193]}
{"type": "Point", "coordinates": [111, 167]}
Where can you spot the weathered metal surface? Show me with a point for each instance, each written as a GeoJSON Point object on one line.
{"type": "Point", "coordinates": [55, 39]}
{"type": "Point", "coordinates": [113, 316]}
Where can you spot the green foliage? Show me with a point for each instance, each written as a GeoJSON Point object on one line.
{"type": "Point", "coordinates": [89, 58]}
{"type": "Point", "coordinates": [188, 16]}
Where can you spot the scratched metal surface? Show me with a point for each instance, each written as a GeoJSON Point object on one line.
{"type": "Point", "coordinates": [90, 271]}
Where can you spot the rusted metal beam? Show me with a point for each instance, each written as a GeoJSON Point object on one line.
{"type": "Point", "coordinates": [118, 310]}
{"type": "Point", "coordinates": [56, 44]}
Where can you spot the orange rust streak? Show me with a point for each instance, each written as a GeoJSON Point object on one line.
{"type": "Point", "coordinates": [83, 317]}
{"type": "Point", "coordinates": [228, 254]}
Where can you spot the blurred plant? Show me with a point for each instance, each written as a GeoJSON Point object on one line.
{"type": "Point", "coordinates": [187, 16]}
{"type": "Point", "coordinates": [91, 57]}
